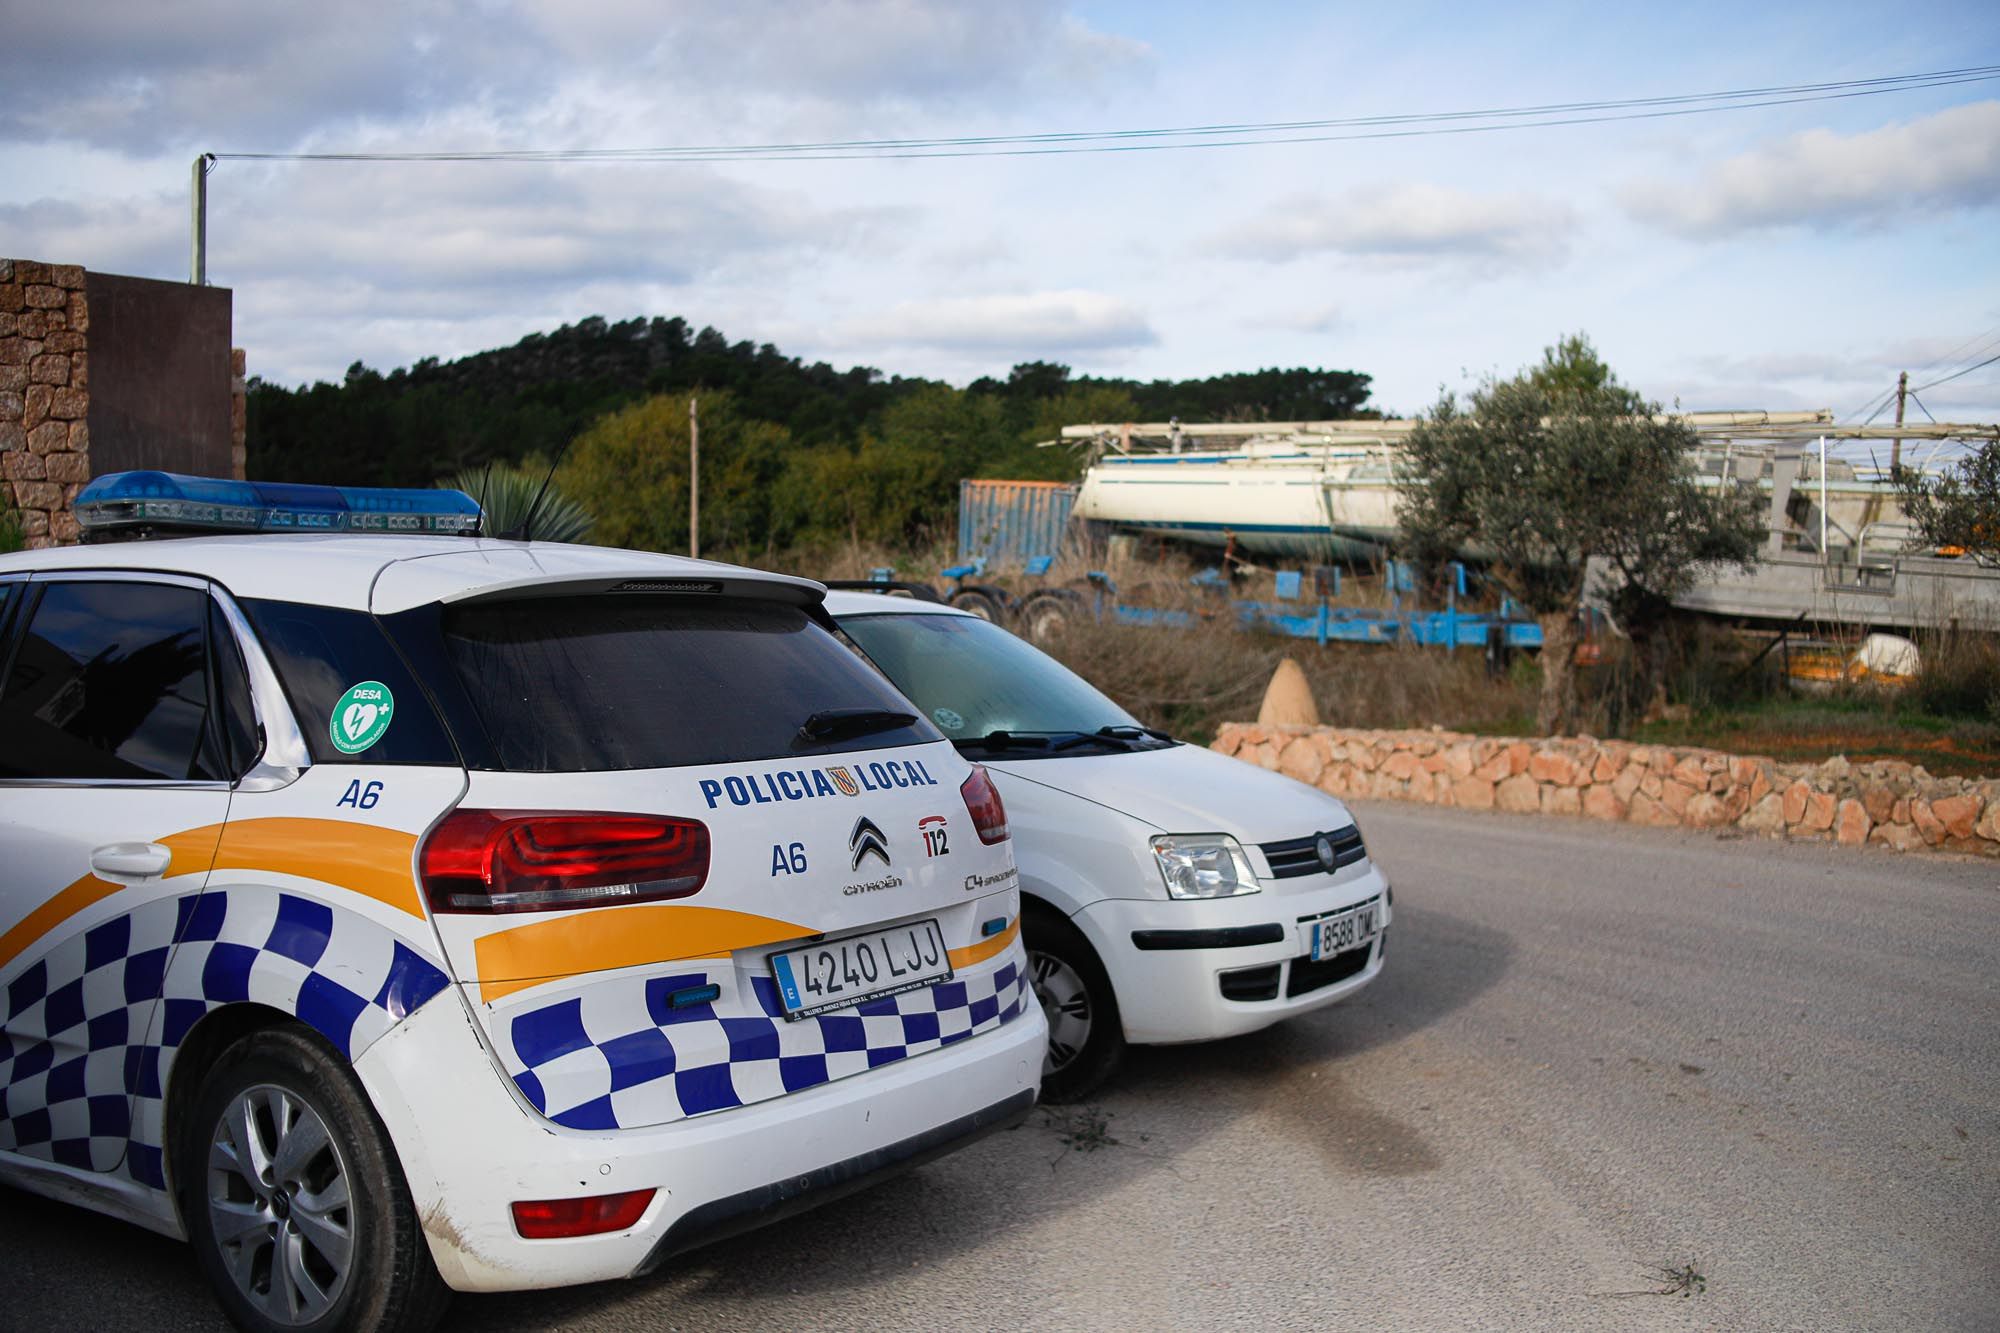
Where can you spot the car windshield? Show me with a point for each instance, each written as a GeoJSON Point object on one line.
{"type": "Point", "coordinates": [985, 688]}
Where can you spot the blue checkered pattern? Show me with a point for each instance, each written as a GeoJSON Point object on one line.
{"type": "Point", "coordinates": [583, 1062]}
{"type": "Point", "coordinates": [85, 1048]}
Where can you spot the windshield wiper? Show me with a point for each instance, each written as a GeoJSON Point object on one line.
{"type": "Point", "coordinates": [1003, 740]}
{"type": "Point", "coordinates": [1128, 731]}
{"type": "Point", "coordinates": [1123, 734]}
{"type": "Point", "coordinates": [840, 723]}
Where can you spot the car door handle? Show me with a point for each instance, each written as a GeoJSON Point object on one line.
{"type": "Point", "coordinates": [130, 862]}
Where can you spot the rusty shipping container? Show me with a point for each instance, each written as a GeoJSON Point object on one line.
{"type": "Point", "coordinates": [1012, 522]}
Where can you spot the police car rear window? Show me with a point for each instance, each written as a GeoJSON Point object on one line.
{"type": "Point", "coordinates": [625, 681]}
{"type": "Point", "coordinates": [328, 659]}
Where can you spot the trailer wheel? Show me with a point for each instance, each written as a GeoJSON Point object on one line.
{"type": "Point", "coordinates": [1043, 616]}
{"type": "Point", "coordinates": [979, 602]}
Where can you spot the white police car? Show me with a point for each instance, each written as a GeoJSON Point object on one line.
{"type": "Point", "coordinates": [393, 913]}
{"type": "Point", "coordinates": [1168, 894]}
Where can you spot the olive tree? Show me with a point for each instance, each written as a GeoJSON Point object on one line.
{"type": "Point", "coordinates": [1959, 507]}
{"type": "Point", "coordinates": [1559, 467]}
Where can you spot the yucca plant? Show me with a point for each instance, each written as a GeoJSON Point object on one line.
{"type": "Point", "coordinates": [12, 538]}
{"type": "Point", "coordinates": [506, 492]}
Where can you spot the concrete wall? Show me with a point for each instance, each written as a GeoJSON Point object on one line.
{"type": "Point", "coordinates": [1885, 803]}
{"type": "Point", "coordinates": [101, 373]}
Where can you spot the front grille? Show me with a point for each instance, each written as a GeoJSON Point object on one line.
{"type": "Point", "coordinates": [1308, 976]}
{"type": "Point", "coordinates": [1300, 856]}
{"type": "Point", "coordinates": [1251, 983]}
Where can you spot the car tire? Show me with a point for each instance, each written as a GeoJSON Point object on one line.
{"type": "Point", "coordinates": [982, 604]}
{"type": "Point", "coordinates": [1086, 1038]}
{"type": "Point", "coordinates": [293, 1197]}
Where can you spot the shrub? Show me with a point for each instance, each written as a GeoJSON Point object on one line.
{"type": "Point", "coordinates": [12, 537]}
{"type": "Point", "coordinates": [1958, 677]}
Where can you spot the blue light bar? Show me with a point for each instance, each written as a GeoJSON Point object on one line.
{"type": "Point", "coordinates": [212, 504]}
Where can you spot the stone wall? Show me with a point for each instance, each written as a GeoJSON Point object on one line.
{"type": "Point", "coordinates": [239, 413]}
{"type": "Point", "coordinates": [44, 395]}
{"type": "Point", "coordinates": [1886, 803]}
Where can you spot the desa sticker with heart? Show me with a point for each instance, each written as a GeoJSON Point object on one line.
{"type": "Point", "coordinates": [361, 717]}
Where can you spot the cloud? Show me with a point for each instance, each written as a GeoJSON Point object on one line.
{"type": "Point", "coordinates": [1793, 367]}
{"type": "Point", "coordinates": [1407, 223]}
{"type": "Point", "coordinates": [1038, 322]}
{"type": "Point", "coordinates": [325, 258]}
{"type": "Point", "coordinates": [399, 227]}
{"type": "Point", "coordinates": [140, 77]}
{"type": "Point", "coordinates": [1324, 318]}
{"type": "Point", "coordinates": [1821, 179]}
{"type": "Point", "coordinates": [877, 50]}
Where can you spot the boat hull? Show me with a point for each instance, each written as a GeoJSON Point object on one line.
{"type": "Point", "coordinates": [1259, 507]}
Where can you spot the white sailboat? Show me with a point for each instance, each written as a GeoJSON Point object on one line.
{"type": "Point", "coordinates": [1326, 491]}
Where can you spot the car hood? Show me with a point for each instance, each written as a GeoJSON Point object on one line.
{"type": "Point", "coordinates": [1187, 789]}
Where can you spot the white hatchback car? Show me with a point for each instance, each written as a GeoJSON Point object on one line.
{"type": "Point", "coordinates": [1169, 894]}
{"type": "Point", "coordinates": [394, 913]}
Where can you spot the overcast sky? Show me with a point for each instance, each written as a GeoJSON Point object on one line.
{"type": "Point", "coordinates": [1785, 257]}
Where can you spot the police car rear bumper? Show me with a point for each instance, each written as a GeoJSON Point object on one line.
{"type": "Point", "coordinates": [470, 1148]}
{"type": "Point", "coordinates": [720, 1219]}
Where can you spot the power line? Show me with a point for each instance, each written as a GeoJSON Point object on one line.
{"type": "Point", "coordinates": [1398, 126]}
{"type": "Point", "coordinates": [1921, 408]}
{"type": "Point", "coordinates": [1979, 342]}
{"type": "Point", "coordinates": [1956, 373]}
{"type": "Point", "coordinates": [1960, 350]}
{"type": "Point", "coordinates": [1874, 406]}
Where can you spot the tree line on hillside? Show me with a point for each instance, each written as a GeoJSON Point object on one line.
{"type": "Point", "coordinates": [792, 452]}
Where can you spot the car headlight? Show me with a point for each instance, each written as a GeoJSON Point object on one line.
{"type": "Point", "coordinates": [1203, 865]}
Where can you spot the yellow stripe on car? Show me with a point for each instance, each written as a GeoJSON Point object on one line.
{"type": "Point", "coordinates": [985, 949]}
{"type": "Point", "coordinates": [370, 860]}
{"type": "Point", "coordinates": [191, 852]}
{"type": "Point", "coordinates": [612, 937]}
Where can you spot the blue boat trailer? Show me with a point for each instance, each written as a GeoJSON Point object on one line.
{"type": "Point", "coordinates": [1289, 614]}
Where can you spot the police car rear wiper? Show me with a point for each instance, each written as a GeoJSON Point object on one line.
{"type": "Point", "coordinates": [840, 723]}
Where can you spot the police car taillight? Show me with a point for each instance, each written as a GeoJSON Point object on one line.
{"type": "Point", "coordinates": [982, 802]}
{"type": "Point", "coordinates": [487, 861]}
{"type": "Point", "coordinates": [137, 503]}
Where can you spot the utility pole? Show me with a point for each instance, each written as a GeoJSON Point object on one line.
{"type": "Point", "coordinates": [1896, 445]}
{"type": "Point", "coordinates": [694, 478]}
{"type": "Point", "coordinates": [198, 219]}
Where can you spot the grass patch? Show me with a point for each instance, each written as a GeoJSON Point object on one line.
{"type": "Point", "coordinates": [1715, 692]}
{"type": "Point", "coordinates": [1813, 730]}
{"type": "Point", "coordinates": [1190, 681]}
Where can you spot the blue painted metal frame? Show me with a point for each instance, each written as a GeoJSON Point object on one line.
{"type": "Point", "coordinates": [1450, 628]}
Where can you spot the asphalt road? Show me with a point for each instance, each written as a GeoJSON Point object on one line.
{"type": "Point", "coordinates": [1596, 1051]}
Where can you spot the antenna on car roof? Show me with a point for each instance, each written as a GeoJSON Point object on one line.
{"type": "Point", "coordinates": [526, 531]}
{"type": "Point", "coordinates": [485, 476]}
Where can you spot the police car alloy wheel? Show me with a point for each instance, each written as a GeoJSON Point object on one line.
{"type": "Point", "coordinates": [295, 1203]}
